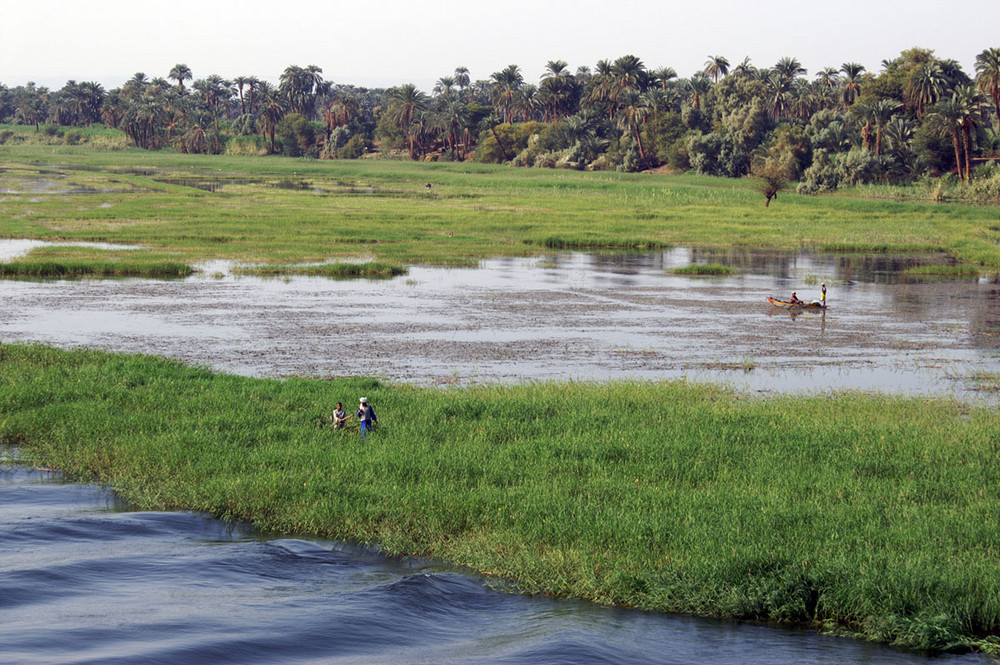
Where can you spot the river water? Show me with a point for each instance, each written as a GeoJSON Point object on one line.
{"type": "Point", "coordinates": [568, 316]}
{"type": "Point", "coordinates": [83, 579]}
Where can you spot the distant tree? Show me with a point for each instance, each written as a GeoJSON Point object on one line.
{"type": "Point", "coordinates": [180, 73]}
{"type": "Point", "coordinates": [444, 85]}
{"type": "Point", "coordinates": [241, 82]}
{"type": "Point", "coordinates": [272, 111]}
{"type": "Point", "coordinates": [881, 113]}
{"type": "Point", "coordinates": [969, 103]}
{"type": "Point", "coordinates": [404, 102]}
{"type": "Point", "coordinates": [789, 69]}
{"type": "Point", "coordinates": [852, 83]}
{"type": "Point", "coordinates": [698, 85]}
{"type": "Point", "coordinates": [745, 70]}
{"type": "Point", "coordinates": [716, 66]}
{"type": "Point", "coordinates": [662, 76]}
{"type": "Point", "coordinates": [30, 104]}
{"type": "Point", "coordinates": [558, 90]}
{"type": "Point", "coordinates": [506, 83]}
{"type": "Point", "coordinates": [462, 78]}
{"type": "Point", "coordinates": [828, 77]}
{"type": "Point", "coordinates": [925, 86]}
{"type": "Point", "coordinates": [946, 118]}
{"type": "Point", "coordinates": [988, 78]}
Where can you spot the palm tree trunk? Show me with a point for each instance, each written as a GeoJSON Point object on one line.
{"type": "Point", "coordinates": [638, 139]}
{"type": "Point", "coordinates": [966, 141]}
{"type": "Point", "coordinates": [958, 155]}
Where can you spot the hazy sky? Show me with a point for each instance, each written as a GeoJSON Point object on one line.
{"type": "Point", "coordinates": [387, 42]}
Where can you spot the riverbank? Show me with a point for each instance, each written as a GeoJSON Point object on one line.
{"type": "Point", "coordinates": [871, 515]}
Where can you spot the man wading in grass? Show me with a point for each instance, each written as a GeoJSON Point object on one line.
{"type": "Point", "coordinates": [366, 415]}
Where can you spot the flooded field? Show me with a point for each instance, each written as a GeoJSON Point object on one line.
{"type": "Point", "coordinates": [566, 316]}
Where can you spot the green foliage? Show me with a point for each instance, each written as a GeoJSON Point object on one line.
{"type": "Point", "coordinates": [847, 169]}
{"type": "Point", "coordinates": [355, 147]}
{"type": "Point", "coordinates": [513, 140]}
{"type": "Point", "coordinates": [665, 132]}
{"type": "Point", "coordinates": [298, 136]}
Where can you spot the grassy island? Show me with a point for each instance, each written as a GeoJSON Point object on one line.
{"type": "Point", "coordinates": [869, 515]}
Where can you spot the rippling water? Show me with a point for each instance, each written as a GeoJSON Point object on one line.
{"type": "Point", "coordinates": [85, 580]}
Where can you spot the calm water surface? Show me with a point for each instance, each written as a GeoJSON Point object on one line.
{"type": "Point", "coordinates": [85, 580]}
{"type": "Point", "coordinates": [566, 317]}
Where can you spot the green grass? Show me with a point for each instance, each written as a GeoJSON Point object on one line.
{"type": "Point", "coordinates": [704, 269]}
{"type": "Point", "coordinates": [370, 269]}
{"type": "Point", "coordinates": [947, 271]}
{"type": "Point", "coordinates": [870, 515]}
{"type": "Point", "coordinates": [372, 210]}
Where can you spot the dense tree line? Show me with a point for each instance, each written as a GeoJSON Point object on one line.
{"type": "Point", "coordinates": [845, 125]}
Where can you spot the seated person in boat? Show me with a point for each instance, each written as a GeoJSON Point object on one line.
{"type": "Point", "coordinates": [795, 300]}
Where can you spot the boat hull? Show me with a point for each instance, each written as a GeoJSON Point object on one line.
{"type": "Point", "coordinates": [784, 304]}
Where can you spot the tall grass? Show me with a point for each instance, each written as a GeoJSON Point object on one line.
{"type": "Point", "coordinates": [870, 515]}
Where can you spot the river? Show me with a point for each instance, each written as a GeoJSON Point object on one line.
{"type": "Point", "coordinates": [86, 580]}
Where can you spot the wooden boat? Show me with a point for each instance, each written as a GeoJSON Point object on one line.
{"type": "Point", "coordinates": [784, 304]}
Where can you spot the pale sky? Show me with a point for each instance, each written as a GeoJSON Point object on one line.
{"type": "Point", "coordinates": [379, 43]}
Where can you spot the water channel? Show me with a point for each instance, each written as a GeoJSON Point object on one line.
{"type": "Point", "coordinates": [85, 580]}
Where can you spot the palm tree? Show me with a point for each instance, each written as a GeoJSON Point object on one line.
{"type": "Point", "coordinates": [462, 78]}
{"type": "Point", "coordinates": [505, 85]}
{"type": "Point", "coordinates": [272, 109]}
{"type": "Point", "coordinates": [633, 116]}
{"type": "Point", "coordinates": [789, 69]}
{"type": "Point", "coordinates": [663, 76]}
{"type": "Point", "coordinates": [241, 82]}
{"type": "Point", "coordinates": [180, 73]}
{"type": "Point", "coordinates": [925, 86]}
{"type": "Point", "coordinates": [744, 70]}
{"type": "Point", "coordinates": [881, 113]}
{"type": "Point", "coordinates": [557, 90]}
{"type": "Point", "coordinates": [970, 107]}
{"type": "Point", "coordinates": [852, 86]}
{"type": "Point", "coordinates": [988, 78]}
{"type": "Point", "coordinates": [716, 66]}
{"type": "Point", "coordinates": [778, 87]}
{"type": "Point", "coordinates": [698, 85]}
{"type": "Point", "coordinates": [828, 77]}
{"type": "Point", "coordinates": [444, 85]}
{"type": "Point", "coordinates": [946, 117]}
{"type": "Point", "coordinates": [404, 102]}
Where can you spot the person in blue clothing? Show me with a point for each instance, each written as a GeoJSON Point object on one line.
{"type": "Point", "coordinates": [366, 417]}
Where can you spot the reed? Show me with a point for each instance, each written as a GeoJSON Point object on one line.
{"type": "Point", "coordinates": [865, 514]}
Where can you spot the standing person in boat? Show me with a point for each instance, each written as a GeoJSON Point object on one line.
{"type": "Point", "coordinates": [822, 298]}
{"type": "Point", "coordinates": [366, 416]}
